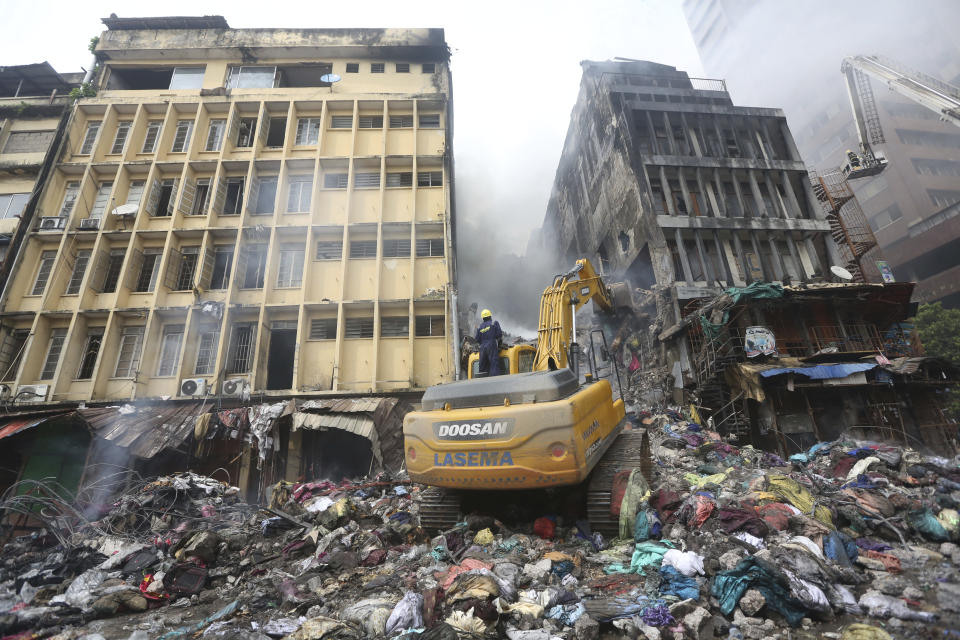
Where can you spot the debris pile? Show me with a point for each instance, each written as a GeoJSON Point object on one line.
{"type": "Point", "coordinates": [847, 540]}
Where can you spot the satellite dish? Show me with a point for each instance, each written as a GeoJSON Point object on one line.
{"type": "Point", "coordinates": [330, 77]}
{"type": "Point", "coordinates": [128, 209]}
{"type": "Point", "coordinates": [841, 273]}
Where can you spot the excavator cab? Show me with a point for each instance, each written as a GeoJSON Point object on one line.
{"type": "Point", "coordinates": [515, 359]}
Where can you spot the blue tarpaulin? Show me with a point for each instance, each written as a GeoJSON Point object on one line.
{"type": "Point", "coordinates": [822, 371]}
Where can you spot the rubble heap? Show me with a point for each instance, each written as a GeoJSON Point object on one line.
{"type": "Point", "coordinates": [847, 540]}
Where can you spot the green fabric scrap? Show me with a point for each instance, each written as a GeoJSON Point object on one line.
{"type": "Point", "coordinates": [754, 291]}
{"type": "Point", "coordinates": [729, 586]}
{"type": "Point", "coordinates": [645, 554]}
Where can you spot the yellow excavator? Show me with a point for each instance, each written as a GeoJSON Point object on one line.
{"type": "Point", "coordinates": [538, 429]}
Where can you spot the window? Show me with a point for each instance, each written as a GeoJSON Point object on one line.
{"type": "Point", "coordinates": [207, 351]}
{"type": "Point", "coordinates": [353, 67]}
{"type": "Point", "coordinates": [69, 198]}
{"type": "Point", "coordinates": [266, 195]}
{"type": "Point", "coordinates": [201, 198]}
{"type": "Point", "coordinates": [400, 179]}
{"type": "Point", "coordinates": [430, 326]}
{"type": "Point", "coordinates": [90, 352]}
{"type": "Point", "coordinates": [430, 121]}
{"type": "Point", "coordinates": [377, 67]}
{"type": "Point", "coordinates": [241, 348]}
{"type": "Point", "coordinates": [933, 139]}
{"type": "Point", "coordinates": [429, 178]}
{"type": "Point", "coordinates": [403, 67]}
{"type": "Point", "coordinates": [429, 247]}
{"type": "Point", "coordinates": [181, 139]}
{"type": "Point", "coordinates": [12, 353]}
{"type": "Point", "coordinates": [54, 348]}
{"type": "Point", "coordinates": [222, 263]}
{"type": "Point", "coordinates": [341, 122]}
{"type": "Point", "coordinates": [943, 198]}
{"type": "Point", "coordinates": [245, 132]}
{"type": "Point", "coordinates": [28, 141]}
{"type": "Point", "coordinates": [323, 329]}
{"type": "Point", "coordinates": [12, 204]}
{"type": "Point", "coordinates": [135, 192]}
{"type": "Point", "coordinates": [363, 248]}
{"type": "Point", "coordinates": [394, 327]}
{"type": "Point", "coordinates": [189, 256]}
{"type": "Point", "coordinates": [359, 328]}
{"type": "Point", "coordinates": [233, 200]}
{"type": "Point", "coordinates": [255, 266]}
{"type": "Point", "coordinates": [120, 140]}
{"type": "Point", "coordinates": [335, 181]}
{"type": "Point", "coordinates": [128, 356]}
{"type": "Point", "coordinates": [170, 350]}
{"type": "Point", "coordinates": [112, 272]}
{"type": "Point", "coordinates": [308, 131]}
{"type": "Point", "coordinates": [934, 167]}
{"type": "Point", "coordinates": [290, 269]}
{"type": "Point", "coordinates": [149, 268]}
{"type": "Point", "coordinates": [366, 180]}
{"type": "Point", "coordinates": [151, 136]}
{"type": "Point", "coordinates": [43, 272]}
{"type": "Point", "coordinates": [251, 77]}
{"type": "Point", "coordinates": [396, 247]}
{"type": "Point", "coordinates": [215, 135]}
{"type": "Point", "coordinates": [187, 78]}
{"type": "Point", "coordinates": [428, 67]}
{"type": "Point", "coordinates": [401, 122]}
{"type": "Point", "coordinates": [277, 132]}
{"type": "Point", "coordinates": [370, 122]}
{"type": "Point", "coordinates": [872, 188]}
{"type": "Point", "coordinates": [90, 137]}
{"type": "Point", "coordinates": [298, 194]}
{"type": "Point", "coordinates": [165, 198]}
{"type": "Point", "coordinates": [329, 250]}
{"type": "Point", "coordinates": [80, 264]}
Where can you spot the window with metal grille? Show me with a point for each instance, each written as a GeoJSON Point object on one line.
{"type": "Point", "coordinates": [245, 132]}
{"type": "Point", "coordinates": [394, 327]}
{"type": "Point", "coordinates": [363, 248]}
{"type": "Point", "coordinates": [28, 141]}
{"type": "Point", "coordinates": [429, 247]}
{"type": "Point", "coordinates": [308, 131]}
{"type": "Point", "coordinates": [170, 343]}
{"type": "Point", "coordinates": [120, 140]}
{"type": "Point", "coordinates": [428, 67]}
{"type": "Point", "coordinates": [90, 352]}
{"type": "Point", "coordinates": [430, 326]}
{"type": "Point", "coordinates": [329, 250]}
{"type": "Point", "coordinates": [12, 354]}
{"type": "Point", "coordinates": [377, 67]}
{"type": "Point", "coordinates": [13, 204]}
{"type": "Point", "coordinates": [222, 263]}
{"type": "Point", "coordinates": [370, 122]}
{"type": "Point", "coordinates": [207, 352]}
{"type": "Point", "coordinates": [233, 200]}
{"type": "Point", "coordinates": [181, 139]}
{"type": "Point", "coordinates": [201, 197]}
{"type": "Point", "coordinates": [429, 178]}
{"type": "Point", "coordinates": [255, 268]}
{"type": "Point", "coordinates": [290, 267]}
{"type": "Point", "coordinates": [101, 199]}
{"type": "Point", "coordinates": [43, 272]}
{"type": "Point", "coordinates": [323, 329]}
{"type": "Point", "coordinates": [90, 138]}
{"type": "Point", "coordinates": [54, 348]}
{"type": "Point", "coordinates": [366, 179]}
{"type": "Point", "coordinates": [69, 198]}
{"type": "Point", "coordinates": [430, 121]}
{"type": "Point", "coordinates": [128, 356]}
{"type": "Point", "coordinates": [401, 122]}
{"type": "Point", "coordinates": [149, 268]}
{"type": "Point", "coordinates": [353, 67]}
{"type": "Point", "coordinates": [112, 272]}
{"type": "Point", "coordinates": [151, 136]}
{"type": "Point", "coordinates": [403, 67]}
{"type": "Point", "coordinates": [335, 181]}
{"type": "Point", "coordinates": [215, 135]}
{"type": "Point", "coordinates": [298, 194]}
{"type": "Point", "coordinates": [164, 206]}
{"type": "Point", "coordinates": [341, 122]}
{"type": "Point", "coordinates": [396, 247]}
{"type": "Point", "coordinates": [241, 348]}
{"type": "Point", "coordinates": [79, 269]}
{"type": "Point", "coordinates": [400, 179]}
{"type": "Point", "coordinates": [189, 256]}
{"type": "Point", "coordinates": [266, 195]}
{"type": "Point", "coordinates": [358, 328]}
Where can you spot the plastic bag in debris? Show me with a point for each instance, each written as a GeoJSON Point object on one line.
{"type": "Point", "coordinates": [812, 596]}
{"type": "Point", "coordinates": [926, 523]}
{"type": "Point", "coordinates": [688, 563]}
{"type": "Point", "coordinates": [466, 622]}
{"type": "Point", "coordinates": [318, 504]}
{"type": "Point", "coordinates": [861, 467]}
{"type": "Point", "coordinates": [636, 493]}
{"type": "Point", "coordinates": [407, 614]}
{"type": "Point", "coordinates": [319, 627]}
{"type": "Point", "coordinates": [789, 491]}
{"type": "Point", "coordinates": [566, 614]}
{"type": "Point", "coordinates": [864, 632]}
{"type": "Point", "coordinates": [78, 593]}
{"type": "Point", "coordinates": [751, 573]}
{"type": "Point", "coordinates": [879, 605]}
{"type": "Point", "coordinates": [370, 614]}
{"type": "Point", "coordinates": [483, 537]}
{"type": "Point", "coordinates": [674, 583]}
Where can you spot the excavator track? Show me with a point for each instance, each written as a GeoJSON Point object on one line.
{"type": "Point", "coordinates": [439, 509]}
{"type": "Point", "coordinates": [630, 450]}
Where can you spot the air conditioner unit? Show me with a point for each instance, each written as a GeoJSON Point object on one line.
{"type": "Point", "coordinates": [193, 387]}
{"type": "Point", "coordinates": [52, 224]}
{"type": "Point", "coordinates": [234, 387]}
{"type": "Point", "coordinates": [27, 393]}
{"type": "Point", "coordinates": [90, 223]}
{"type": "Point", "coordinates": [5, 392]}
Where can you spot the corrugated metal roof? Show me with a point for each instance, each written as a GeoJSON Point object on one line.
{"type": "Point", "coordinates": [343, 405]}
{"type": "Point", "coordinates": [147, 431]}
{"type": "Point", "coordinates": [16, 425]}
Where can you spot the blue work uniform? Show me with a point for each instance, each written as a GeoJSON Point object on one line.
{"type": "Point", "coordinates": [488, 336]}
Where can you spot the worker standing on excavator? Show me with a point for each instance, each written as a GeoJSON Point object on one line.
{"type": "Point", "coordinates": [488, 337]}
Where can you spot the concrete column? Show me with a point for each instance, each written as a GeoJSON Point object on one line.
{"type": "Point", "coordinates": [682, 250]}
{"type": "Point", "coordinates": [792, 246]}
{"type": "Point", "coordinates": [667, 194]}
{"type": "Point", "coordinates": [781, 206]}
{"type": "Point", "coordinates": [727, 272]}
{"type": "Point", "coordinates": [818, 212]}
{"type": "Point", "coordinates": [695, 149]}
{"type": "Point", "coordinates": [755, 190]}
{"type": "Point", "coordinates": [692, 205]}
{"type": "Point", "coordinates": [794, 204]}
{"type": "Point", "coordinates": [768, 137]}
{"type": "Point", "coordinates": [764, 271]}
{"type": "Point", "coordinates": [653, 134]}
{"type": "Point", "coordinates": [721, 195]}
{"type": "Point", "coordinates": [792, 150]}
{"type": "Point", "coordinates": [813, 257]}
{"type": "Point", "coordinates": [704, 261]}
{"type": "Point", "coordinates": [721, 139]}
{"type": "Point", "coordinates": [779, 268]}
{"type": "Point", "coordinates": [673, 144]}
{"type": "Point", "coordinates": [736, 187]}
{"type": "Point", "coordinates": [741, 257]}
{"type": "Point", "coordinates": [706, 190]}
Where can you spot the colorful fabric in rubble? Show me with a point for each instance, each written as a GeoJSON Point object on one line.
{"type": "Point", "coordinates": [751, 573]}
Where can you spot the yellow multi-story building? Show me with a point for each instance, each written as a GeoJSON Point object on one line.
{"type": "Point", "coordinates": [243, 210]}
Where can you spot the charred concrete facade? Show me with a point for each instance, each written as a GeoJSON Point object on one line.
{"type": "Point", "coordinates": [664, 179]}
